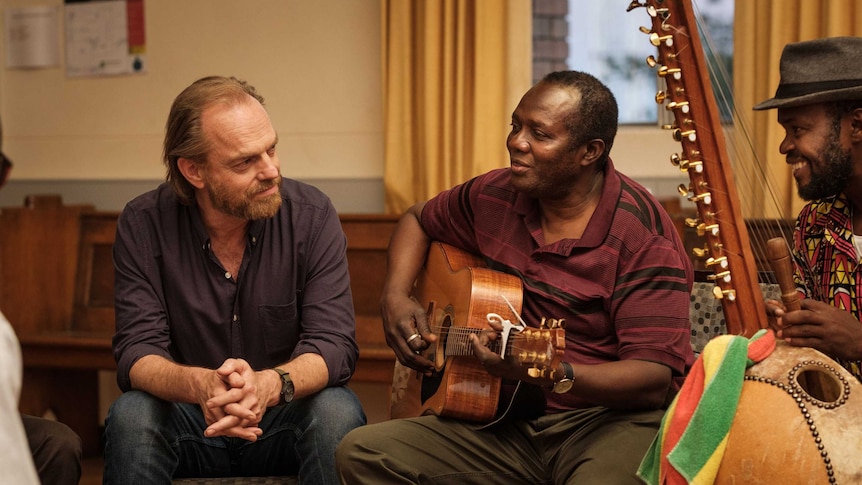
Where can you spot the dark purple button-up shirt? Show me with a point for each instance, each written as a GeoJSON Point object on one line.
{"type": "Point", "coordinates": [292, 295]}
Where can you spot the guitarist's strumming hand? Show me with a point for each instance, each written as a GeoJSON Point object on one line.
{"type": "Point", "coordinates": [405, 324]}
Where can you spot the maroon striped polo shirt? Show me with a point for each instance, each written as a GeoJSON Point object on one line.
{"type": "Point", "coordinates": [623, 288]}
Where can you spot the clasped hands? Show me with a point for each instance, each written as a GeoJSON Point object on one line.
{"type": "Point", "coordinates": [234, 400]}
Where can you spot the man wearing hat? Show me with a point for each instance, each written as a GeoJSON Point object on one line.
{"type": "Point", "coordinates": [819, 103]}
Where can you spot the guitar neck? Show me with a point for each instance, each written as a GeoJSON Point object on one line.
{"type": "Point", "coordinates": [682, 63]}
{"type": "Point", "coordinates": [539, 348]}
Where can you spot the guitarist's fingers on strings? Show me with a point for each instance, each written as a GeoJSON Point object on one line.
{"type": "Point", "coordinates": [491, 361]}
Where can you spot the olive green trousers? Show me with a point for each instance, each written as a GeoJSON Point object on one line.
{"type": "Point", "coordinates": [586, 446]}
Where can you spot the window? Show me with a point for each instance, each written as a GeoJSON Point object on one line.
{"type": "Point", "coordinates": [605, 41]}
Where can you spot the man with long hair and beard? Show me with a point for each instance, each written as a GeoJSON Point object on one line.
{"type": "Point", "coordinates": [819, 103]}
{"type": "Point", "coordinates": [235, 331]}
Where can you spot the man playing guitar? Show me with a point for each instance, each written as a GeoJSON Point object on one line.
{"type": "Point", "coordinates": [591, 247]}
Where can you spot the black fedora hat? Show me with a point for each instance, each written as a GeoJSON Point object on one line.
{"type": "Point", "coordinates": [818, 71]}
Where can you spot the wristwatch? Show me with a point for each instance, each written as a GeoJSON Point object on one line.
{"type": "Point", "coordinates": [565, 385]}
{"type": "Point", "coordinates": [286, 386]}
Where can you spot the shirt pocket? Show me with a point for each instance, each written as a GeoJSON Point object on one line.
{"type": "Point", "coordinates": [281, 329]}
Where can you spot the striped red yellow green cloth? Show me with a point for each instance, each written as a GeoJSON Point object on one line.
{"type": "Point", "coordinates": [691, 440]}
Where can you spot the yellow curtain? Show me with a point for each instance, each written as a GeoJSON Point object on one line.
{"type": "Point", "coordinates": [453, 71]}
{"type": "Point", "coordinates": [762, 28]}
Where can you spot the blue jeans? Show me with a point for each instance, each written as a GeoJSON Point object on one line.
{"type": "Point", "coordinates": [150, 441]}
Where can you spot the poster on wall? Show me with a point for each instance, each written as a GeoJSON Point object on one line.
{"type": "Point", "coordinates": [104, 37]}
{"type": "Point", "coordinates": [32, 39]}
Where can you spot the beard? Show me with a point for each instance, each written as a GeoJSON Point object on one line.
{"type": "Point", "coordinates": [246, 205]}
{"type": "Point", "coordinates": [837, 167]}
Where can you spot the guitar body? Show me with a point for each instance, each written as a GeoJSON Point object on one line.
{"type": "Point", "coordinates": [458, 292]}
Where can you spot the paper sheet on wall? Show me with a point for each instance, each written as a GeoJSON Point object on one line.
{"type": "Point", "coordinates": [104, 38]}
{"type": "Point", "coordinates": [32, 37]}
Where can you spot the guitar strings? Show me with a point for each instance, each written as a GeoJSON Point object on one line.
{"type": "Point", "coordinates": [457, 341]}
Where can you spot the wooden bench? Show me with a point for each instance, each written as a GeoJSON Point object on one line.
{"type": "Point", "coordinates": [56, 288]}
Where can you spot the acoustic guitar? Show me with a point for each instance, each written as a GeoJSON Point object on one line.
{"type": "Point", "coordinates": [461, 296]}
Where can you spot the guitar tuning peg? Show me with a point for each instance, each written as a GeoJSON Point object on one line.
{"type": "Point", "coordinates": [536, 371]}
{"type": "Point", "coordinates": [532, 357]}
{"type": "Point", "coordinates": [645, 30]}
{"type": "Point", "coordinates": [692, 222]}
{"type": "Point", "coordinates": [683, 190]}
{"type": "Point", "coordinates": [651, 61]}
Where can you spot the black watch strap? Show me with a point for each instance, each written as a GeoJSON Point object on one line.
{"type": "Point", "coordinates": [287, 388]}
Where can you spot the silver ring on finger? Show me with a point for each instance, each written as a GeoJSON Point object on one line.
{"type": "Point", "coordinates": [413, 337]}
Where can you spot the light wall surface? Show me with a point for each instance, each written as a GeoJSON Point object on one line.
{"type": "Point", "coordinates": [317, 62]}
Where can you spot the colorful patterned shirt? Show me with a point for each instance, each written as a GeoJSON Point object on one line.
{"type": "Point", "coordinates": [623, 287]}
{"type": "Point", "coordinates": [827, 266]}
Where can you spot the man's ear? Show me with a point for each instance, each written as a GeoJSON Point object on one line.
{"type": "Point", "coordinates": [191, 170]}
{"type": "Point", "coordinates": [592, 151]}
